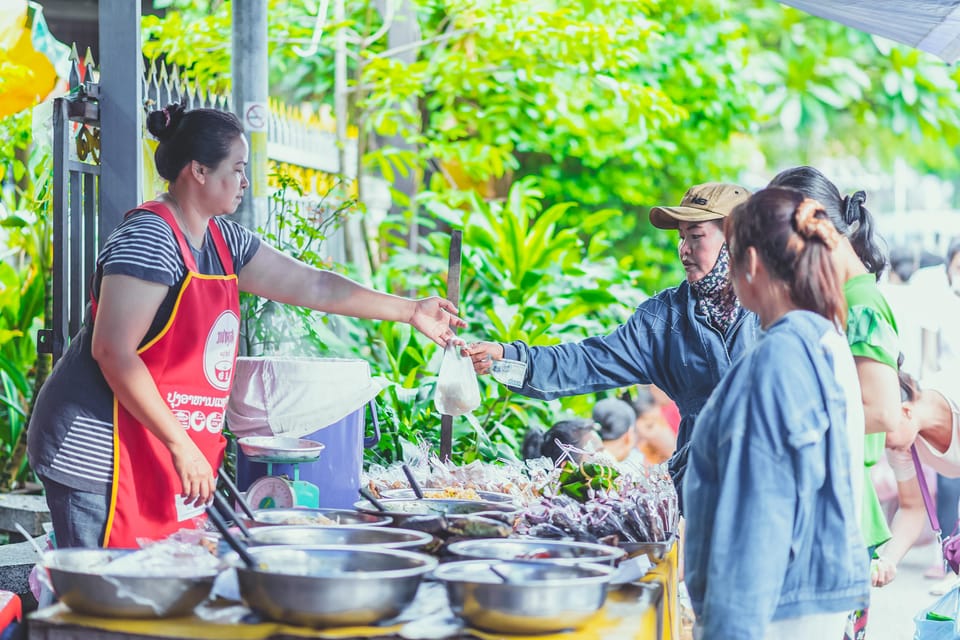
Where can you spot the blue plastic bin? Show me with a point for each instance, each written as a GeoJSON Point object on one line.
{"type": "Point", "coordinates": [336, 472]}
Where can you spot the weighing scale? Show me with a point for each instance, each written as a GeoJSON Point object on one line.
{"type": "Point", "coordinates": [279, 491]}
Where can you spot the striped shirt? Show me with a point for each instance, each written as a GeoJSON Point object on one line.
{"type": "Point", "coordinates": [70, 437]}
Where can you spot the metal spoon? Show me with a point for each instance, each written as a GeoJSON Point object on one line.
{"type": "Point", "coordinates": [369, 497]}
{"type": "Point", "coordinates": [500, 574]}
{"type": "Point", "coordinates": [223, 506]}
{"type": "Point", "coordinates": [407, 471]}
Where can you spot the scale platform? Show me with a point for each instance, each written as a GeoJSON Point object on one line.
{"type": "Point", "coordinates": [272, 491]}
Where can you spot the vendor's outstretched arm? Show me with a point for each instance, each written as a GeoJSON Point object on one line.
{"type": "Point", "coordinates": [275, 275]}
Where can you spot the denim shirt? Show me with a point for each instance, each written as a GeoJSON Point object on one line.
{"type": "Point", "coordinates": [665, 342]}
{"type": "Point", "coordinates": [772, 531]}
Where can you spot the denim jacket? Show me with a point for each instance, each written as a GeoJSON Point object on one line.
{"type": "Point", "coordinates": [665, 342]}
{"type": "Point", "coordinates": [772, 531]}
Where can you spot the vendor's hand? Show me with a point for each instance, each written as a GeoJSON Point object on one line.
{"type": "Point", "coordinates": [882, 571]}
{"type": "Point", "coordinates": [196, 475]}
{"type": "Point", "coordinates": [483, 354]}
{"type": "Point", "coordinates": [435, 318]}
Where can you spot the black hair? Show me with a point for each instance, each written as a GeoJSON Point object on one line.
{"type": "Point", "coordinates": [847, 213]}
{"type": "Point", "coordinates": [538, 444]}
{"type": "Point", "coordinates": [204, 135]}
{"type": "Point", "coordinates": [904, 262]}
{"type": "Point", "coordinates": [908, 387]}
{"type": "Point", "coordinates": [615, 418]}
{"type": "Point", "coordinates": [800, 257]}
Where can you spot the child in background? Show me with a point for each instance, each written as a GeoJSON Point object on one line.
{"type": "Point", "coordinates": [655, 440]}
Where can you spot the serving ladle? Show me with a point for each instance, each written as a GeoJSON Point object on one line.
{"type": "Point", "coordinates": [231, 539]}
{"type": "Point", "coordinates": [407, 471]}
{"type": "Point", "coordinates": [372, 500]}
{"type": "Point", "coordinates": [235, 492]}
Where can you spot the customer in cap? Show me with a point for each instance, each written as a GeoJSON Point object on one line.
{"type": "Point", "coordinates": [683, 339]}
{"type": "Point", "coordinates": [127, 433]}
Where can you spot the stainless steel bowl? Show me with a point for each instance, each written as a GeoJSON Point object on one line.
{"type": "Point", "coordinates": [485, 496]}
{"type": "Point", "coordinates": [79, 582]}
{"type": "Point", "coordinates": [332, 586]}
{"type": "Point", "coordinates": [534, 550]}
{"type": "Point", "coordinates": [314, 518]}
{"type": "Point", "coordinates": [383, 537]}
{"type": "Point", "coordinates": [403, 509]}
{"type": "Point", "coordinates": [539, 597]}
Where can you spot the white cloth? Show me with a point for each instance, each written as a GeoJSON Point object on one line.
{"type": "Point", "coordinates": [297, 396]}
{"type": "Point", "coordinates": [845, 372]}
{"type": "Point", "coordinates": [946, 463]}
{"type": "Point", "coordinates": [908, 309]}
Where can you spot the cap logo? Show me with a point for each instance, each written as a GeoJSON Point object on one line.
{"type": "Point", "coordinates": [700, 201]}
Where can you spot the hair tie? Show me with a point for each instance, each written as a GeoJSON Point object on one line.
{"type": "Point", "coordinates": [809, 225]}
{"type": "Point", "coordinates": [852, 208]}
{"type": "Point", "coordinates": [166, 113]}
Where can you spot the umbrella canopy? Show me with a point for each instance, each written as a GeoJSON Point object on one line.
{"type": "Point", "coordinates": [928, 25]}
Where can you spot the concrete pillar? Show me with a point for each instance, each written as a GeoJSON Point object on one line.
{"type": "Point", "coordinates": [121, 112]}
{"type": "Point", "coordinates": [250, 93]}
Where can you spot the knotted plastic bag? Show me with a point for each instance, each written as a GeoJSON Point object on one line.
{"type": "Point", "coordinates": [457, 389]}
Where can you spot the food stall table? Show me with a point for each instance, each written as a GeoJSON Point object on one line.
{"type": "Point", "coordinates": [631, 613]}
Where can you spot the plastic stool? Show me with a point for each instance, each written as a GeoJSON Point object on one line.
{"type": "Point", "coordinates": [11, 611]}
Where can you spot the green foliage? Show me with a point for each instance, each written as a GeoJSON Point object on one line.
{"type": "Point", "coordinates": [25, 274]}
{"type": "Point", "coordinates": [298, 226]}
{"type": "Point", "coordinates": [523, 278]}
{"type": "Point", "coordinates": [545, 130]}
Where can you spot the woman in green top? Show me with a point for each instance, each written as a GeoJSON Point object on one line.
{"type": "Point", "coordinates": [873, 338]}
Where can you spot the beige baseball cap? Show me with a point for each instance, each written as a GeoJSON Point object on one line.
{"type": "Point", "coordinates": [710, 201]}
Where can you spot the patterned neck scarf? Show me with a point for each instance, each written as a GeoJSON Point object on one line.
{"type": "Point", "coordinates": [714, 294]}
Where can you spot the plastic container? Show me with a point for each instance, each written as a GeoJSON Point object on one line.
{"type": "Point", "coordinates": [336, 472]}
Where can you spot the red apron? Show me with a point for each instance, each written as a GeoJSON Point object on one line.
{"type": "Point", "coordinates": [192, 362]}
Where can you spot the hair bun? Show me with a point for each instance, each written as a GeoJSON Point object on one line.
{"type": "Point", "coordinates": [163, 123]}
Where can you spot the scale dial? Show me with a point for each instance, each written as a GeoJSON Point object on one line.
{"type": "Point", "coordinates": [271, 492]}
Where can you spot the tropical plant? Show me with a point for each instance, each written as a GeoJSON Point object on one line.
{"type": "Point", "coordinates": [25, 276]}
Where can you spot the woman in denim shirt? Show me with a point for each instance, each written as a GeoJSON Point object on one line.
{"type": "Point", "coordinates": [683, 339]}
{"type": "Point", "coordinates": [773, 541]}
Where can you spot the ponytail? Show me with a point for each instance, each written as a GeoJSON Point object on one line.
{"type": "Point", "coordinates": [847, 214]}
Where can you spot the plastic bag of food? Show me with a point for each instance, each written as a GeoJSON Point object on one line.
{"type": "Point", "coordinates": [457, 389]}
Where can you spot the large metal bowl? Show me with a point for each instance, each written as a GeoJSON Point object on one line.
{"type": "Point", "coordinates": [80, 582]}
{"type": "Point", "coordinates": [383, 537]}
{"type": "Point", "coordinates": [403, 509]}
{"type": "Point", "coordinates": [539, 597]}
{"type": "Point", "coordinates": [332, 586]}
{"type": "Point", "coordinates": [534, 550]}
{"type": "Point", "coordinates": [314, 518]}
{"type": "Point", "coordinates": [485, 496]}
